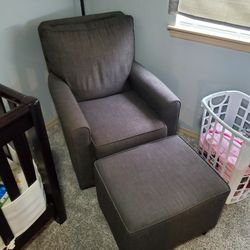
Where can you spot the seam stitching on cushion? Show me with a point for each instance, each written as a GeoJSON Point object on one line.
{"type": "Point", "coordinates": [138, 146]}
{"type": "Point", "coordinates": [159, 222]}
{"type": "Point", "coordinates": [156, 130]}
{"type": "Point", "coordinates": [176, 215]}
{"type": "Point", "coordinates": [50, 28]}
{"type": "Point", "coordinates": [114, 204]}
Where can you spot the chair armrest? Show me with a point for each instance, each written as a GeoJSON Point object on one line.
{"type": "Point", "coordinates": [157, 95]}
{"type": "Point", "coordinates": [76, 130]}
{"type": "Point", "coordinates": [69, 112]}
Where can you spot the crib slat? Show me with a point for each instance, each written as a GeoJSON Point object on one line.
{"type": "Point", "coordinates": [5, 231]}
{"type": "Point", "coordinates": [25, 158]}
{"type": "Point", "coordinates": [7, 152]}
{"type": "Point", "coordinates": [7, 177]}
{"type": "Point", "coordinates": [46, 162]}
{"type": "Point", "coordinates": [2, 107]}
{"type": "Point", "coordinates": [3, 111]}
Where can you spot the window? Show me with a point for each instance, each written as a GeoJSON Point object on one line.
{"type": "Point", "coordinates": [220, 22]}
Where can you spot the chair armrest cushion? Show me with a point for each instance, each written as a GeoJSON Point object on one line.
{"type": "Point", "coordinates": [76, 130]}
{"type": "Point", "coordinates": [157, 95]}
{"type": "Point", "coordinates": [72, 119]}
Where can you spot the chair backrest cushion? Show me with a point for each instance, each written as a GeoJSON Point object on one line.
{"type": "Point", "coordinates": [92, 54]}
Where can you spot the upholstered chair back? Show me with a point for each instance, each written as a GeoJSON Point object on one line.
{"type": "Point", "coordinates": [93, 55]}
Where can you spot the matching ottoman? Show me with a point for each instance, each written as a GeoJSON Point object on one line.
{"type": "Point", "coordinates": [158, 195]}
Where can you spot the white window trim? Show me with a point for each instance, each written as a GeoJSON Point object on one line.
{"type": "Point", "coordinates": [206, 32]}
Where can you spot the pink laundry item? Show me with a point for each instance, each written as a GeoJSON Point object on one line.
{"type": "Point", "coordinates": [212, 139]}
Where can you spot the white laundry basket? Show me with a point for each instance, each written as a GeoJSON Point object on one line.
{"type": "Point", "coordinates": [225, 140]}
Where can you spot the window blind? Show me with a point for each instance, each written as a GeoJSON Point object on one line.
{"type": "Point", "coordinates": [236, 12]}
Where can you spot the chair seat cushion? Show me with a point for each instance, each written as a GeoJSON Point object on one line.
{"type": "Point", "coordinates": [120, 122]}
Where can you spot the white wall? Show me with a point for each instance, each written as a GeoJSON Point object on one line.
{"type": "Point", "coordinates": [192, 70]}
{"type": "Point", "coordinates": [22, 64]}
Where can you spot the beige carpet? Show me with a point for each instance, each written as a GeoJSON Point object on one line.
{"type": "Point", "coordinates": [87, 229]}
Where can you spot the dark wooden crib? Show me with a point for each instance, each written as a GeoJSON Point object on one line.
{"type": "Point", "coordinates": [22, 125]}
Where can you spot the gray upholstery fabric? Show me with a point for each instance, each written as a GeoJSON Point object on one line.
{"type": "Point", "coordinates": [157, 95]}
{"type": "Point", "coordinates": [158, 195]}
{"type": "Point", "coordinates": [89, 60]}
{"type": "Point", "coordinates": [104, 71]}
{"type": "Point", "coordinates": [120, 122]}
{"type": "Point", "coordinates": [76, 130]}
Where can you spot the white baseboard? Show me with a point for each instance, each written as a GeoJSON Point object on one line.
{"type": "Point", "coordinates": [52, 123]}
{"type": "Point", "coordinates": [188, 133]}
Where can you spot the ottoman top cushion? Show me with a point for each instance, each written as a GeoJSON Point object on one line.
{"type": "Point", "coordinates": [157, 181]}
